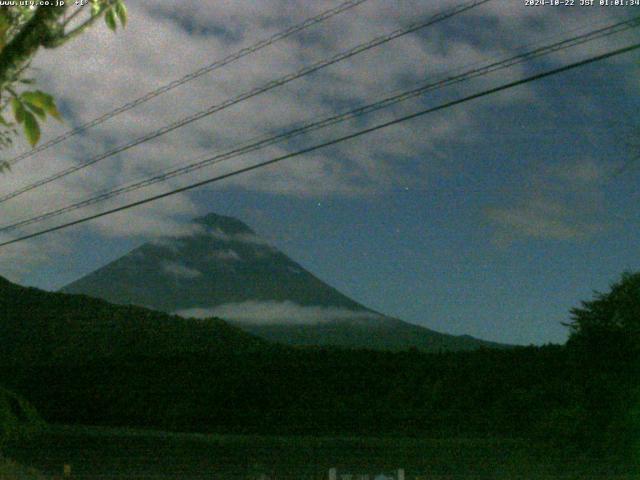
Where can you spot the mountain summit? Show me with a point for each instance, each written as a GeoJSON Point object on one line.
{"type": "Point", "coordinates": [223, 263]}
{"type": "Point", "coordinates": [224, 269]}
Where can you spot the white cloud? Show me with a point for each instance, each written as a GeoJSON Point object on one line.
{"type": "Point", "coordinates": [561, 202]}
{"type": "Point", "coordinates": [20, 259]}
{"type": "Point", "coordinates": [101, 71]}
{"type": "Point", "coordinates": [167, 243]}
{"type": "Point", "coordinates": [225, 255]}
{"type": "Point", "coordinates": [250, 238]}
{"type": "Point", "coordinates": [180, 270]}
{"type": "Point", "coordinates": [540, 218]}
{"type": "Point", "coordinates": [273, 312]}
{"type": "Point", "coordinates": [586, 173]}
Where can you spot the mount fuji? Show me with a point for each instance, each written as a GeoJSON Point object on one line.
{"type": "Point", "coordinates": [224, 269]}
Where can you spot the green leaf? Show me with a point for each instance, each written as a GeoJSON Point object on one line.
{"type": "Point", "coordinates": [4, 122]}
{"type": "Point", "coordinates": [121, 12]}
{"type": "Point", "coordinates": [4, 26]}
{"type": "Point", "coordinates": [18, 110]}
{"type": "Point", "coordinates": [4, 165]}
{"type": "Point", "coordinates": [96, 8]}
{"type": "Point", "coordinates": [110, 19]}
{"type": "Point", "coordinates": [31, 128]}
{"type": "Point", "coordinates": [37, 98]}
{"type": "Point", "coordinates": [52, 110]}
{"type": "Point", "coordinates": [42, 101]}
{"type": "Point", "coordinates": [50, 106]}
{"type": "Point", "coordinates": [37, 110]}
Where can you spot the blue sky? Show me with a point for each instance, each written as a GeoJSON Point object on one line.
{"type": "Point", "coordinates": [492, 218]}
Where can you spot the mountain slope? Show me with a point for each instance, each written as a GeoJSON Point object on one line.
{"type": "Point", "coordinates": [222, 262]}
{"type": "Point", "coordinates": [390, 334]}
{"type": "Point", "coordinates": [38, 327]}
{"type": "Point", "coordinates": [224, 269]}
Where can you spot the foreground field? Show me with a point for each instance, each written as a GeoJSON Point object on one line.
{"type": "Point", "coordinates": [10, 470]}
{"type": "Point", "coordinates": [131, 454]}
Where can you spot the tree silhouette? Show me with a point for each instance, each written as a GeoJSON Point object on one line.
{"type": "Point", "coordinates": [610, 322]}
{"type": "Point", "coordinates": [605, 342]}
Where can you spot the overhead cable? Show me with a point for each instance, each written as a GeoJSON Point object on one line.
{"type": "Point", "coordinates": [251, 93]}
{"type": "Point", "coordinates": [191, 76]}
{"type": "Point", "coordinates": [334, 141]}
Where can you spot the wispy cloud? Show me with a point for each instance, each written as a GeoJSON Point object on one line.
{"type": "Point", "coordinates": [180, 270]}
{"type": "Point", "coordinates": [250, 238]}
{"type": "Point", "coordinates": [273, 312]}
{"type": "Point", "coordinates": [101, 71]}
{"type": "Point", "coordinates": [225, 255]}
{"type": "Point", "coordinates": [560, 202]}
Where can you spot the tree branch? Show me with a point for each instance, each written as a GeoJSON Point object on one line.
{"type": "Point", "coordinates": [56, 42]}
{"type": "Point", "coordinates": [73, 15]}
{"type": "Point", "coordinates": [40, 30]}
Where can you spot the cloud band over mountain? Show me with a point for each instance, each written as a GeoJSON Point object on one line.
{"type": "Point", "coordinates": [273, 312]}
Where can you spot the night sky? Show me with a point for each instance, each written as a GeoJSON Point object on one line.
{"type": "Point", "coordinates": [492, 218]}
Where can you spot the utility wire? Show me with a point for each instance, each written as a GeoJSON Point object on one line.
{"type": "Point", "coordinates": [253, 146]}
{"type": "Point", "coordinates": [192, 76]}
{"type": "Point", "coordinates": [334, 141]}
{"type": "Point", "coordinates": [252, 93]}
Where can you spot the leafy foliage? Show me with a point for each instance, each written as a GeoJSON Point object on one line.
{"type": "Point", "coordinates": [605, 346]}
{"type": "Point", "coordinates": [610, 319]}
{"type": "Point", "coordinates": [23, 30]}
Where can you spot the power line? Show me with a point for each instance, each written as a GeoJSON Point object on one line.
{"type": "Point", "coordinates": [599, 33]}
{"type": "Point", "coordinates": [253, 146]}
{"type": "Point", "coordinates": [192, 76]}
{"type": "Point", "coordinates": [252, 93]}
{"type": "Point", "coordinates": [334, 141]}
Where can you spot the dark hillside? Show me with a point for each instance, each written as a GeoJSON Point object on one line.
{"type": "Point", "coordinates": [38, 327]}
